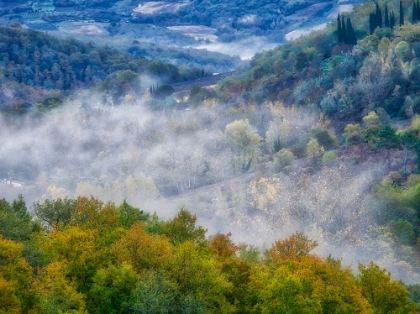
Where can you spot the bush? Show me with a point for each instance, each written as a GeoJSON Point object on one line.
{"type": "Point", "coordinates": [328, 157]}
{"type": "Point", "coordinates": [283, 159]}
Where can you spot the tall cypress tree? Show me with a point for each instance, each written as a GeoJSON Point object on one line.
{"type": "Point", "coordinates": [386, 15]}
{"type": "Point", "coordinates": [392, 20]}
{"type": "Point", "coordinates": [417, 10]}
{"type": "Point", "coordinates": [339, 30]}
{"type": "Point", "coordinates": [351, 36]}
{"type": "Point", "coordinates": [378, 16]}
{"type": "Point", "coordinates": [401, 14]}
{"type": "Point", "coordinates": [343, 29]}
{"type": "Point", "coordinates": [414, 13]}
{"type": "Point", "coordinates": [372, 22]}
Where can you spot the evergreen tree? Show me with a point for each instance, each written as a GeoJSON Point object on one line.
{"type": "Point", "coordinates": [339, 30]}
{"type": "Point", "coordinates": [392, 20]}
{"type": "Point", "coordinates": [351, 36]}
{"type": "Point", "coordinates": [372, 23]}
{"type": "Point", "coordinates": [378, 16]}
{"type": "Point", "coordinates": [417, 10]}
{"type": "Point", "coordinates": [343, 30]}
{"type": "Point", "coordinates": [401, 14]}
{"type": "Point", "coordinates": [386, 15]}
{"type": "Point", "coordinates": [414, 13]}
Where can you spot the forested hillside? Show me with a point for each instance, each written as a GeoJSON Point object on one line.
{"type": "Point", "coordinates": [84, 256]}
{"type": "Point", "coordinates": [35, 66]}
{"type": "Point", "coordinates": [318, 139]}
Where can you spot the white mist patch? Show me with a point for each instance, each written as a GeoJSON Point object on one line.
{"type": "Point", "coordinates": [245, 48]}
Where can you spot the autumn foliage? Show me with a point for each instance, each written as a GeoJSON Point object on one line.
{"type": "Point", "coordinates": [107, 259]}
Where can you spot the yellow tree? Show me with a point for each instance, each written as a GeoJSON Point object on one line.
{"type": "Point", "coordinates": [9, 302]}
{"type": "Point", "coordinates": [78, 248]}
{"type": "Point", "coordinates": [15, 275]}
{"type": "Point", "coordinates": [56, 293]}
{"type": "Point", "coordinates": [143, 251]}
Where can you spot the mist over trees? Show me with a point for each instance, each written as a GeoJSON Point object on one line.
{"type": "Point", "coordinates": [315, 146]}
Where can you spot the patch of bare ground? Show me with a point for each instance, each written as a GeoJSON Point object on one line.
{"type": "Point", "coordinates": [159, 7]}
{"type": "Point", "coordinates": [196, 31]}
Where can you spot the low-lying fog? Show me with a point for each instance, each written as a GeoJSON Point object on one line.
{"type": "Point", "coordinates": [163, 160]}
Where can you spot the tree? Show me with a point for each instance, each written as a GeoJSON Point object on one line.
{"type": "Point", "coordinates": [56, 292]}
{"type": "Point", "coordinates": [183, 228]}
{"type": "Point", "coordinates": [314, 150]}
{"type": "Point", "coordinates": [199, 278]}
{"type": "Point", "coordinates": [55, 214]}
{"type": "Point", "coordinates": [386, 16]}
{"type": "Point", "coordinates": [372, 124]}
{"type": "Point", "coordinates": [352, 133]}
{"type": "Point", "coordinates": [111, 290]}
{"type": "Point", "coordinates": [351, 36]}
{"type": "Point", "coordinates": [343, 29]}
{"type": "Point", "coordinates": [387, 138]}
{"type": "Point", "coordinates": [293, 248]}
{"type": "Point", "coordinates": [378, 16]}
{"type": "Point", "coordinates": [15, 221]}
{"type": "Point", "coordinates": [243, 141]}
{"type": "Point", "coordinates": [384, 295]}
{"type": "Point", "coordinates": [143, 251]}
{"type": "Point", "coordinates": [154, 294]}
{"type": "Point", "coordinates": [401, 14]}
{"type": "Point", "coordinates": [15, 275]}
{"type": "Point", "coordinates": [339, 30]}
{"type": "Point", "coordinates": [392, 20]}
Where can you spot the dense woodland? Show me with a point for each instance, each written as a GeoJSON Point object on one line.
{"type": "Point", "coordinates": [34, 66]}
{"type": "Point", "coordinates": [84, 256]}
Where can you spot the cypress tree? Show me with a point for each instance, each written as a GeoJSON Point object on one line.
{"type": "Point", "coordinates": [351, 36]}
{"type": "Point", "coordinates": [414, 13]}
{"type": "Point", "coordinates": [378, 16]}
{"type": "Point", "coordinates": [343, 30]}
{"type": "Point", "coordinates": [417, 10]}
{"type": "Point", "coordinates": [372, 23]}
{"type": "Point", "coordinates": [386, 15]}
{"type": "Point", "coordinates": [392, 20]}
{"type": "Point", "coordinates": [401, 14]}
{"type": "Point", "coordinates": [339, 30]}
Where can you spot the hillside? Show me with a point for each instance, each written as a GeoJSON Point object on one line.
{"type": "Point", "coordinates": [318, 138]}
{"type": "Point", "coordinates": [215, 23]}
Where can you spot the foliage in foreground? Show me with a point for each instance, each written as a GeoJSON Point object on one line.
{"type": "Point", "coordinates": [84, 256]}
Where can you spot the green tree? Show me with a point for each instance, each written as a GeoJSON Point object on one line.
{"type": "Point", "coordinates": [387, 138]}
{"type": "Point", "coordinates": [384, 295]}
{"type": "Point", "coordinates": [154, 294]}
{"type": "Point", "coordinates": [339, 30]}
{"type": "Point", "coordinates": [111, 290]}
{"type": "Point", "coordinates": [352, 133]}
{"type": "Point", "coordinates": [401, 14]}
{"type": "Point", "coordinates": [183, 227]}
{"type": "Point", "coordinates": [351, 35]}
{"type": "Point", "coordinates": [314, 150]}
{"type": "Point", "coordinates": [243, 141]}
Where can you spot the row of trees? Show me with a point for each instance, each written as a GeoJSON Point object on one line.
{"type": "Point", "coordinates": [102, 258]}
{"type": "Point", "coordinates": [375, 18]}
{"type": "Point", "coordinates": [346, 34]}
